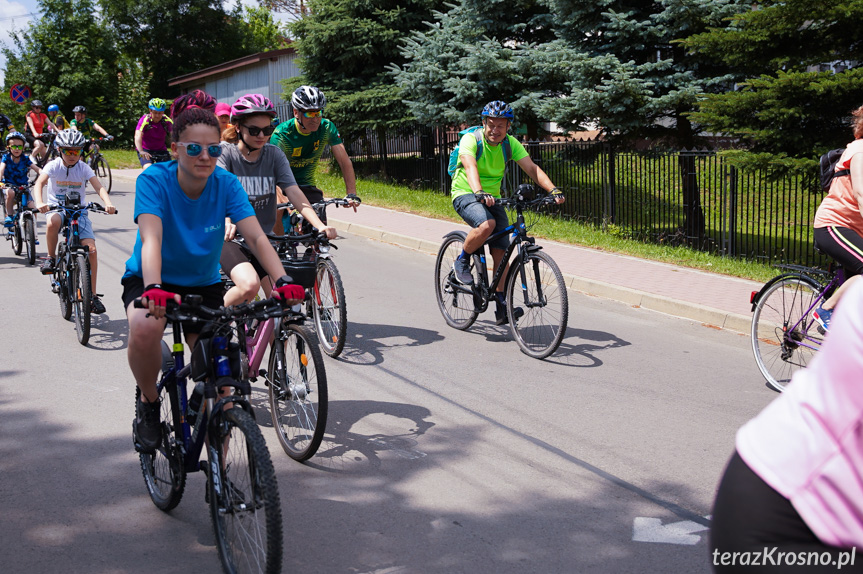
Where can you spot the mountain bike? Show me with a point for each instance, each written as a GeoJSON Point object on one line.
{"type": "Point", "coordinates": [295, 375]}
{"type": "Point", "coordinates": [242, 491]}
{"type": "Point", "coordinates": [327, 304]}
{"type": "Point", "coordinates": [97, 162]}
{"type": "Point", "coordinates": [534, 283]}
{"type": "Point", "coordinates": [785, 336]}
{"type": "Point", "coordinates": [71, 275]}
{"type": "Point", "coordinates": [22, 234]}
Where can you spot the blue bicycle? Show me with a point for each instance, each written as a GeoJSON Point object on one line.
{"type": "Point", "coordinates": [22, 234]}
{"type": "Point", "coordinates": [241, 483]}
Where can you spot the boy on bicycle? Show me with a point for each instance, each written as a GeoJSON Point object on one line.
{"type": "Point", "coordinates": [476, 184]}
{"type": "Point", "coordinates": [153, 133]}
{"type": "Point", "coordinates": [13, 170]}
{"type": "Point", "coordinates": [86, 126]}
{"type": "Point", "coordinates": [67, 174]}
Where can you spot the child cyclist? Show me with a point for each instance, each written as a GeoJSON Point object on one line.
{"type": "Point", "coordinates": [63, 175]}
{"type": "Point", "coordinates": [13, 170]}
{"type": "Point", "coordinates": [181, 208]}
{"type": "Point", "coordinates": [260, 167]}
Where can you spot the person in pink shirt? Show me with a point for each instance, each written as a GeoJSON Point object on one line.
{"type": "Point", "coordinates": [839, 219]}
{"type": "Point", "coordinates": [792, 493]}
{"type": "Point", "coordinates": [223, 114]}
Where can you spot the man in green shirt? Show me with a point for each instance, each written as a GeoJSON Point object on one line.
{"type": "Point", "coordinates": [476, 184]}
{"type": "Point", "coordinates": [303, 139]}
{"type": "Point", "coordinates": [86, 126]}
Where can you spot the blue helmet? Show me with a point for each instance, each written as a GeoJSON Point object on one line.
{"type": "Point", "coordinates": [53, 108]}
{"type": "Point", "coordinates": [15, 135]}
{"type": "Point", "coordinates": [498, 109]}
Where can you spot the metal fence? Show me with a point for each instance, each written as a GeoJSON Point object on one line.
{"type": "Point", "coordinates": [692, 198]}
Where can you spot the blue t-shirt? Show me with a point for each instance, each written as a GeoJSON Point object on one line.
{"type": "Point", "coordinates": [16, 173]}
{"type": "Point", "coordinates": [193, 231]}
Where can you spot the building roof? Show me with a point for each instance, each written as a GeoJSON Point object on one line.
{"type": "Point", "coordinates": [230, 65]}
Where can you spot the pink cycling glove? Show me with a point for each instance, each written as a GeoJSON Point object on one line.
{"type": "Point", "coordinates": [157, 295]}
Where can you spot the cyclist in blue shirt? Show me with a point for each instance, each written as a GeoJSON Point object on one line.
{"type": "Point", "coordinates": [13, 170]}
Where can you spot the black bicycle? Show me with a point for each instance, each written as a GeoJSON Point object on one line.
{"type": "Point", "coordinates": [242, 490]}
{"type": "Point", "coordinates": [327, 304]}
{"type": "Point", "coordinates": [97, 161]}
{"type": "Point", "coordinates": [71, 274]}
{"type": "Point", "coordinates": [22, 234]}
{"type": "Point", "coordinates": [536, 299]}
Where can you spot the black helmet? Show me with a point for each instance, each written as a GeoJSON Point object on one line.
{"type": "Point", "coordinates": [79, 110]}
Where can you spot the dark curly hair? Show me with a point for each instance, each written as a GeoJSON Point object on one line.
{"type": "Point", "coordinates": [194, 99]}
{"type": "Point", "coordinates": [193, 116]}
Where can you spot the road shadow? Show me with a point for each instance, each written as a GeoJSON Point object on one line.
{"type": "Point", "coordinates": [108, 334]}
{"type": "Point", "coordinates": [366, 343]}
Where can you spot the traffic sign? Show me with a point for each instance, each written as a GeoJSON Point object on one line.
{"type": "Point", "coordinates": [19, 93]}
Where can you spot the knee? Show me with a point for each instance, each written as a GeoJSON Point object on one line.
{"type": "Point", "coordinates": [248, 287]}
{"type": "Point", "coordinates": [144, 334]}
{"type": "Point", "coordinates": [486, 227]}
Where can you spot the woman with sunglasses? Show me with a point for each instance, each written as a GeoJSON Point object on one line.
{"type": "Point", "coordinates": [180, 208]}
{"type": "Point", "coordinates": [261, 167]}
{"type": "Point", "coordinates": [304, 138]}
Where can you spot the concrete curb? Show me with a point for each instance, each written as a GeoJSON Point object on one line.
{"type": "Point", "coordinates": [706, 315]}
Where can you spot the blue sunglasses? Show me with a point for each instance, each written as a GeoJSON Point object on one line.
{"type": "Point", "coordinates": [194, 149]}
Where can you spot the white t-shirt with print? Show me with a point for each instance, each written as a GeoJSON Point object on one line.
{"type": "Point", "coordinates": [62, 180]}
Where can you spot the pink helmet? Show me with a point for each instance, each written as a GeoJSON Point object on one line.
{"type": "Point", "coordinates": [252, 104]}
{"type": "Point", "coordinates": [223, 109]}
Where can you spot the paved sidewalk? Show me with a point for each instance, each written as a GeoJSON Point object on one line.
{"type": "Point", "coordinates": [708, 298]}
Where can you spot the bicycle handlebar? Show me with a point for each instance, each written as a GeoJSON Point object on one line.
{"type": "Point", "coordinates": [346, 201]}
{"type": "Point", "coordinates": [92, 206]}
{"type": "Point", "coordinates": [192, 309]}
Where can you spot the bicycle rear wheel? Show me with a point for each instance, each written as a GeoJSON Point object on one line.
{"type": "Point", "coordinates": [164, 471]}
{"type": "Point", "coordinates": [298, 392]}
{"type": "Point", "coordinates": [244, 496]}
{"type": "Point", "coordinates": [456, 307]}
{"type": "Point", "coordinates": [17, 242]}
{"type": "Point", "coordinates": [784, 335]}
{"type": "Point", "coordinates": [30, 239]}
{"type": "Point", "coordinates": [329, 309]}
{"type": "Point", "coordinates": [82, 297]}
{"type": "Point", "coordinates": [536, 286]}
{"type": "Point", "coordinates": [63, 283]}
{"type": "Point", "coordinates": [103, 171]}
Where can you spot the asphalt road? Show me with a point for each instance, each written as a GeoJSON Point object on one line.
{"type": "Point", "coordinates": [446, 451]}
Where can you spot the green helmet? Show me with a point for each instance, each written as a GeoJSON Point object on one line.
{"type": "Point", "coordinates": [158, 105]}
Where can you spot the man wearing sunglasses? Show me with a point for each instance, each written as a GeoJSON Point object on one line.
{"type": "Point", "coordinates": [304, 138]}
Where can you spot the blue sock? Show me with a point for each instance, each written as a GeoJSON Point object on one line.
{"type": "Point", "coordinates": [463, 254]}
{"type": "Point", "coordinates": [499, 297]}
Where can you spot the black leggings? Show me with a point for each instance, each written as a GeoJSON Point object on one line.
{"type": "Point", "coordinates": [844, 245]}
{"type": "Point", "coordinates": [753, 521]}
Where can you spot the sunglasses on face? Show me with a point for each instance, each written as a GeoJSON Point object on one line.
{"type": "Point", "coordinates": [16, 147]}
{"type": "Point", "coordinates": [255, 130]}
{"type": "Point", "coordinates": [71, 151]}
{"type": "Point", "coordinates": [194, 149]}
{"type": "Point", "coordinates": [314, 114]}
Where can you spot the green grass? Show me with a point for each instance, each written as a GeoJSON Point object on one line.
{"type": "Point", "coordinates": [121, 158]}
{"type": "Point", "coordinates": [435, 205]}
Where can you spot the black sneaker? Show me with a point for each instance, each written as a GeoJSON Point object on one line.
{"type": "Point", "coordinates": [147, 427]}
{"type": "Point", "coordinates": [96, 305]}
{"type": "Point", "coordinates": [461, 271]}
{"type": "Point", "coordinates": [500, 317]}
{"type": "Point", "coordinates": [47, 267]}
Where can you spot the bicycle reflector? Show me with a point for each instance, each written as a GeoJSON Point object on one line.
{"type": "Point", "coordinates": [752, 297]}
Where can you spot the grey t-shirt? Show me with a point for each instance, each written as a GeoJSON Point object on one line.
{"type": "Point", "coordinates": [260, 178]}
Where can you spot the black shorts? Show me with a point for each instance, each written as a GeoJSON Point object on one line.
{"type": "Point", "coordinates": [314, 195]}
{"type": "Point", "coordinates": [233, 254]}
{"type": "Point", "coordinates": [750, 516]}
{"type": "Point", "coordinates": [213, 295]}
{"type": "Point", "coordinates": [842, 244]}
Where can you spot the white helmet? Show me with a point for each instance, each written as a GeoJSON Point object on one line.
{"type": "Point", "coordinates": [308, 98]}
{"type": "Point", "coordinates": [70, 138]}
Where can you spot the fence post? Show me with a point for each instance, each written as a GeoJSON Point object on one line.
{"type": "Point", "coordinates": [732, 210]}
{"type": "Point", "coordinates": [608, 185]}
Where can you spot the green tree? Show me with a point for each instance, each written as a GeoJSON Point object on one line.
{"type": "Point", "coordinates": [261, 32]}
{"type": "Point", "coordinates": [68, 57]}
{"type": "Point", "coordinates": [793, 102]}
{"type": "Point", "coordinates": [175, 37]}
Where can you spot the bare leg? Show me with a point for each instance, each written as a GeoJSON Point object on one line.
{"type": "Point", "coordinates": [834, 299]}
{"type": "Point", "coordinates": [246, 285]}
{"type": "Point", "coordinates": [94, 264]}
{"type": "Point", "coordinates": [52, 231]}
{"type": "Point", "coordinates": [145, 350]}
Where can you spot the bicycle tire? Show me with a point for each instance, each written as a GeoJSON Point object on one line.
{"type": "Point", "coordinates": [62, 279]}
{"type": "Point", "coordinates": [103, 171]}
{"type": "Point", "coordinates": [247, 515]}
{"type": "Point", "coordinates": [329, 309]}
{"type": "Point", "coordinates": [164, 471]}
{"type": "Point", "coordinates": [457, 308]}
{"type": "Point", "coordinates": [17, 243]}
{"type": "Point", "coordinates": [298, 392]}
{"type": "Point", "coordinates": [82, 297]}
{"type": "Point", "coordinates": [543, 298]}
{"type": "Point", "coordinates": [30, 239]}
{"type": "Point", "coordinates": [777, 351]}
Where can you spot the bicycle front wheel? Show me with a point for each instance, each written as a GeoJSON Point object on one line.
{"type": "Point", "coordinates": [298, 392]}
{"type": "Point", "coordinates": [456, 306]}
{"type": "Point", "coordinates": [164, 471]}
{"type": "Point", "coordinates": [784, 335]}
{"type": "Point", "coordinates": [30, 239]}
{"type": "Point", "coordinates": [82, 297]}
{"type": "Point", "coordinates": [16, 238]}
{"type": "Point", "coordinates": [329, 309]}
{"type": "Point", "coordinates": [244, 496]}
{"type": "Point", "coordinates": [103, 171]}
{"type": "Point", "coordinates": [537, 305]}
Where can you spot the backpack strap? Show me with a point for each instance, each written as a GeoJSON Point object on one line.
{"type": "Point", "coordinates": [507, 148]}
